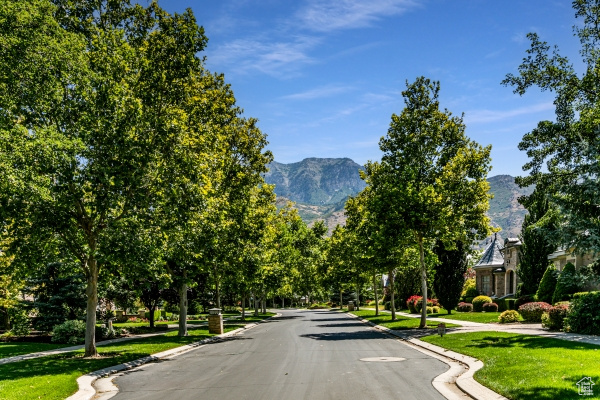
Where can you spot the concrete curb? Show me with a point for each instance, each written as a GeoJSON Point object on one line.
{"type": "Point", "coordinates": [107, 389]}
{"type": "Point", "coordinates": [458, 376]}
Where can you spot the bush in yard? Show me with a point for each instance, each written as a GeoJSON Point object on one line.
{"type": "Point", "coordinates": [464, 307]}
{"type": "Point", "coordinates": [479, 301]}
{"type": "Point", "coordinates": [555, 317]}
{"type": "Point", "coordinates": [567, 284]}
{"type": "Point", "coordinates": [71, 332]}
{"type": "Point", "coordinates": [20, 323]}
{"type": "Point", "coordinates": [547, 285]}
{"type": "Point", "coordinates": [411, 303]}
{"type": "Point", "coordinates": [532, 312]}
{"type": "Point", "coordinates": [435, 309]}
{"type": "Point", "coordinates": [584, 314]}
{"type": "Point", "coordinates": [490, 307]}
{"type": "Point", "coordinates": [508, 316]}
{"type": "Point", "coordinates": [430, 303]}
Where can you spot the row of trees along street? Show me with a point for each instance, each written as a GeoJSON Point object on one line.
{"type": "Point", "coordinates": [128, 172]}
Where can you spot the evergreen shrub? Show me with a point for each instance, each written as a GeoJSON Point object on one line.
{"type": "Point", "coordinates": [547, 285]}
{"type": "Point", "coordinates": [584, 314]}
{"type": "Point", "coordinates": [566, 285]}
{"type": "Point", "coordinates": [70, 332]}
{"type": "Point", "coordinates": [479, 301]}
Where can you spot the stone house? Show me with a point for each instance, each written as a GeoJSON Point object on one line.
{"type": "Point", "coordinates": [562, 256]}
{"type": "Point", "coordinates": [495, 272]}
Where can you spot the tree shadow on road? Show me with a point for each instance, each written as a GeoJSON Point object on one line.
{"type": "Point", "coordinates": [356, 335]}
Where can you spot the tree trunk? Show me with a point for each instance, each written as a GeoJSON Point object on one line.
{"type": "Point", "coordinates": [264, 303]}
{"type": "Point", "coordinates": [392, 296]}
{"type": "Point", "coordinates": [217, 292]}
{"type": "Point", "coordinates": [282, 302]}
{"type": "Point", "coordinates": [151, 317]}
{"type": "Point", "coordinates": [375, 290]}
{"type": "Point", "coordinates": [423, 323]}
{"type": "Point", "coordinates": [243, 307]}
{"type": "Point", "coordinates": [357, 296]}
{"type": "Point", "coordinates": [341, 299]}
{"type": "Point", "coordinates": [255, 306]}
{"type": "Point", "coordinates": [183, 309]}
{"type": "Point", "coordinates": [92, 304]}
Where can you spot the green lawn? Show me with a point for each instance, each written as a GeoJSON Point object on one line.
{"type": "Point", "coordinates": [523, 367]}
{"type": "Point", "coordinates": [54, 377]}
{"type": "Point", "coordinates": [483, 317]}
{"type": "Point", "coordinates": [11, 349]}
{"type": "Point", "coordinates": [385, 319]}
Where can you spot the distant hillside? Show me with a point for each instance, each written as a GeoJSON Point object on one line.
{"type": "Point", "coordinates": [505, 211]}
{"type": "Point", "coordinates": [316, 181]}
{"type": "Point", "coordinates": [320, 187]}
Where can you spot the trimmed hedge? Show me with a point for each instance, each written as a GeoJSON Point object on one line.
{"type": "Point", "coordinates": [532, 312]}
{"type": "Point", "coordinates": [554, 319]}
{"type": "Point", "coordinates": [490, 307]}
{"type": "Point", "coordinates": [547, 285]}
{"type": "Point", "coordinates": [464, 307]}
{"type": "Point", "coordinates": [508, 316]}
{"type": "Point", "coordinates": [584, 314]}
{"type": "Point", "coordinates": [479, 301]}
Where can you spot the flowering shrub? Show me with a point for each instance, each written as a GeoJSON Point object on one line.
{"type": "Point", "coordinates": [555, 317]}
{"type": "Point", "coordinates": [411, 303]}
{"type": "Point", "coordinates": [479, 301]}
{"type": "Point", "coordinates": [532, 312]}
{"type": "Point", "coordinates": [464, 307]}
{"type": "Point", "coordinates": [490, 307]}
{"type": "Point", "coordinates": [508, 316]}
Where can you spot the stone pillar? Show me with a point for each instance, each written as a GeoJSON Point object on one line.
{"type": "Point", "coordinates": [350, 306]}
{"type": "Point", "coordinates": [215, 321]}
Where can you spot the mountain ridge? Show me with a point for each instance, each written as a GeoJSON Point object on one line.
{"type": "Point", "coordinates": [319, 188]}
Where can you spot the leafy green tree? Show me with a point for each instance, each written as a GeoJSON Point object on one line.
{"type": "Point", "coordinates": [536, 246]}
{"type": "Point", "coordinates": [449, 275]}
{"type": "Point", "coordinates": [567, 284]}
{"type": "Point", "coordinates": [547, 285]}
{"type": "Point", "coordinates": [564, 153]}
{"type": "Point", "coordinates": [432, 179]}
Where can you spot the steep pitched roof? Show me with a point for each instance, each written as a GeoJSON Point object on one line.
{"type": "Point", "coordinates": [492, 256]}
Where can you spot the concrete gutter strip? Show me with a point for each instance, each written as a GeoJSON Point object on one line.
{"type": "Point", "coordinates": [86, 382]}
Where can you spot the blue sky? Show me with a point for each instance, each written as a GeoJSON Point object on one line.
{"type": "Point", "coordinates": [324, 77]}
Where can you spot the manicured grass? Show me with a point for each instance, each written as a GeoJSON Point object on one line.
{"type": "Point", "coordinates": [54, 377]}
{"type": "Point", "coordinates": [523, 367]}
{"type": "Point", "coordinates": [11, 349]}
{"type": "Point", "coordinates": [385, 319]}
{"type": "Point", "coordinates": [483, 317]}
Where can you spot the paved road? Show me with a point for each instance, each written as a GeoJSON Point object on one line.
{"type": "Point", "coordinates": [300, 355]}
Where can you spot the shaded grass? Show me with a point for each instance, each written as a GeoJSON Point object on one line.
{"type": "Point", "coordinates": [385, 319]}
{"type": "Point", "coordinates": [523, 367]}
{"type": "Point", "coordinates": [11, 349]}
{"type": "Point", "coordinates": [54, 377]}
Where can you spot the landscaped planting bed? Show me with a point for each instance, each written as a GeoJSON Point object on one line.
{"type": "Point", "coordinates": [385, 319]}
{"type": "Point", "coordinates": [523, 367]}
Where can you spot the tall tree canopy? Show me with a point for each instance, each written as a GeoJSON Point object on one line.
{"type": "Point", "coordinates": [564, 154]}
{"type": "Point", "coordinates": [431, 182]}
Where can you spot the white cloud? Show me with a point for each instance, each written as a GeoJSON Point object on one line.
{"type": "Point", "coordinates": [272, 58]}
{"type": "Point", "coordinates": [483, 116]}
{"type": "Point", "coordinates": [325, 16]}
{"type": "Point", "coordinates": [317, 93]}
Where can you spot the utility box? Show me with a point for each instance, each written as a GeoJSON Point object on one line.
{"type": "Point", "coordinates": [215, 321]}
{"type": "Point", "coordinates": [350, 306]}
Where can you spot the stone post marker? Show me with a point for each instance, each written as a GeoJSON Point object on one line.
{"type": "Point", "coordinates": [350, 306]}
{"type": "Point", "coordinates": [215, 321]}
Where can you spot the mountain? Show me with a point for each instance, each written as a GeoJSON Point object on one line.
{"type": "Point", "coordinates": [316, 181]}
{"type": "Point", "coordinates": [320, 187]}
{"type": "Point", "coordinates": [505, 211]}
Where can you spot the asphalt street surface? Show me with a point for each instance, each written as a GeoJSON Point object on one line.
{"type": "Point", "coordinates": [300, 355]}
